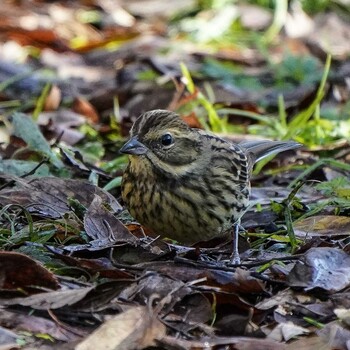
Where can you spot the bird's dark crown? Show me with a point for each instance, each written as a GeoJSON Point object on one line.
{"type": "Point", "coordinates": [158, 119]}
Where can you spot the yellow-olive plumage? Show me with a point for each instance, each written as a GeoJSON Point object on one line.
{"type": "Point", "coordinates": [187, 184]}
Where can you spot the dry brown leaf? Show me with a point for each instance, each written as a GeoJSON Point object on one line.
{"type": "Point", "coordinates": [50, 300]}
{"type": "Point", "coordinates": [49, 196]}
{"type": "Point", "coordinates": [18, 271]}
{"type": "Point", "coordinates": [102, 265]}
{"type": "Point", "coordinates": [84, 107]}
{"type": "Point", "coordinates": [158, 284]}
{"type": "Point", "coordinates": [136, 328]}
{"type": "Point", "coordinates": [322, 225]}
{"type": "Point", "coordinates": [193, 309]}
{"type": "Point", "coordinates": [101, 224]}
{"type": "Point", "coordinates": [53, 99]}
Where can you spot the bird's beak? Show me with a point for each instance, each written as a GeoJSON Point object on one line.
{"type": "Point", "coordinates": [133, 146]}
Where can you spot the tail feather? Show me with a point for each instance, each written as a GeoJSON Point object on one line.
{"type": "Point", "coordinates": [259, 150]}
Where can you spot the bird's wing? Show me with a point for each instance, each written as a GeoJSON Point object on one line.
{"type": "Point", "coordinates": [259, 150]}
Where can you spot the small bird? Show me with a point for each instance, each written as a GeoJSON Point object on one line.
{"type": "Point", "coordinates": [187, 184]}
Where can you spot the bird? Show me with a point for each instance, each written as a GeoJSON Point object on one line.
{"type": "Point", "coordinates": [188, 184]}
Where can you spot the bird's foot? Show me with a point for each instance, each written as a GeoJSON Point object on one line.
{"type": "Point", "coordinates": [235, 259]}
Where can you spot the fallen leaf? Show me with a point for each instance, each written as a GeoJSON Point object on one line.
{"type": "Point", "coordinates": [136, 328]}
{"type": "Point", "coordinates": [192, 309]}
{"type": "Point", "coordinates": [280, 298]}
{"type": "Point", "coordinates": [287, 331]}
{"type": "Point", "coordinates": [62, 124]}
{"type": "Point", "coordinates": [102, 225]}
{"type": "Point", "coordinates": [336, 336]}
{"type": "Point", "coordinates": [18, 271]}
{"type": "Point", "coordinates": [50, 300]}
{"type": "Point", "coordinates": [343, 315]}
{"type": "Point", "coordinates": [239, 343]}
{"type": "Point", "coordinates": [330, 25]}
{"type": "Point", "coordinates": [239, 281]}
{"type": "Point", "coordinates": [84, 107]}
{"type": "Point", "coordinates": [325, 268]}
{"type": "Point", "coordinates": [156, 284]}
{"type": "Point", "coordinates": [53, 99]}
{"type": "Point", "coordinates": [34, 324]}
{"type": "Point", "coordinates": [8, 339]}
{"type": "Point", "coordinates": [102, 266]}
{"type": "Point", "coordinates": [49, 196]}
{"type": "Point", "coordinates": [310, 343]}
{"type": "Point", "coordinates": [322, 225]}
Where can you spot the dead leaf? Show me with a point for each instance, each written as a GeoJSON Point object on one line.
{"type": "Point", "coordinates": [34, 324]}
{"type": "Point", "coordinates": [84, 107]}
{"type": "Point", "coordinates": [53, 99]}
{"type": "Point", "coordinates": [287, 331]}
{"type": "Point", "coordinates": [102, 225]}
{"type": "Point", "coordinates": [193, 309]}
{"type": "Point", "coordinates": [239, 343]}
{"type": "Point", "coordinates": [328, 26]}
{"type": "Point", "coordinates": [18, 271]}
{"type": "Point", "coordinates": [341, 300]}
{"type": "Point", "coordinates": [325, 268]}
{"type": "Point", "coordinates": [50, 300]}
{"type": "Point", "coordinates": [62, 124]}
{"type": "Point", "coordinates": [322, 225]}
{"type": "Point", "coordinates": [233, 324]}
{"type": "Point", "coordinates": [192, 120]}
{"type": "Point", "coordinates": [136, 328]}
{"type": "Point", "coordinates": [336, 336]}
{"type": "Point", "coordinates": [156, 284]}
{"type": "Point", "coordinates": [310, 343]}
{"type": "Point", "coordinates": [38, 37]}
{"type": "Point", "coordinates": [102, 266]}
{"type": "Point", "coordinates": [8, 339]}
{"type": "Point", "coordinates": [240, 281]}
{"type": "Point", "coordinates": [48, 196]}
{"type": "Point", "coordinates": [343, 315]}
{"type": "Point", "coordinates": [280, 298]}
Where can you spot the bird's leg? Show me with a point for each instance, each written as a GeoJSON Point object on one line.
{"type": "Point", "coordinates": [235, 259]}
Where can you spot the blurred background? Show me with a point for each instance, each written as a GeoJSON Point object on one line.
{"type": "Point", "coordinates": [100, 63]}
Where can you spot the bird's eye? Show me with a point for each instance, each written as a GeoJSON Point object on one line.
{"type": "Point", "coordinates": [166, 140]}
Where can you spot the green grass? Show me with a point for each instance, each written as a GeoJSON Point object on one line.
{"type": "Point", "coordinates": [307, 127]}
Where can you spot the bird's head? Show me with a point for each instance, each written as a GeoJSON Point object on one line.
{"type": "Point", "coordinates": [162, 138]}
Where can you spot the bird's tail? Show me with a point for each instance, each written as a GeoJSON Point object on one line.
{"type": "Point", "coordinates": [259, 150]}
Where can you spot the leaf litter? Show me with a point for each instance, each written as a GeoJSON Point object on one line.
{"type": "Point", "coordinates": [76, 271]}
